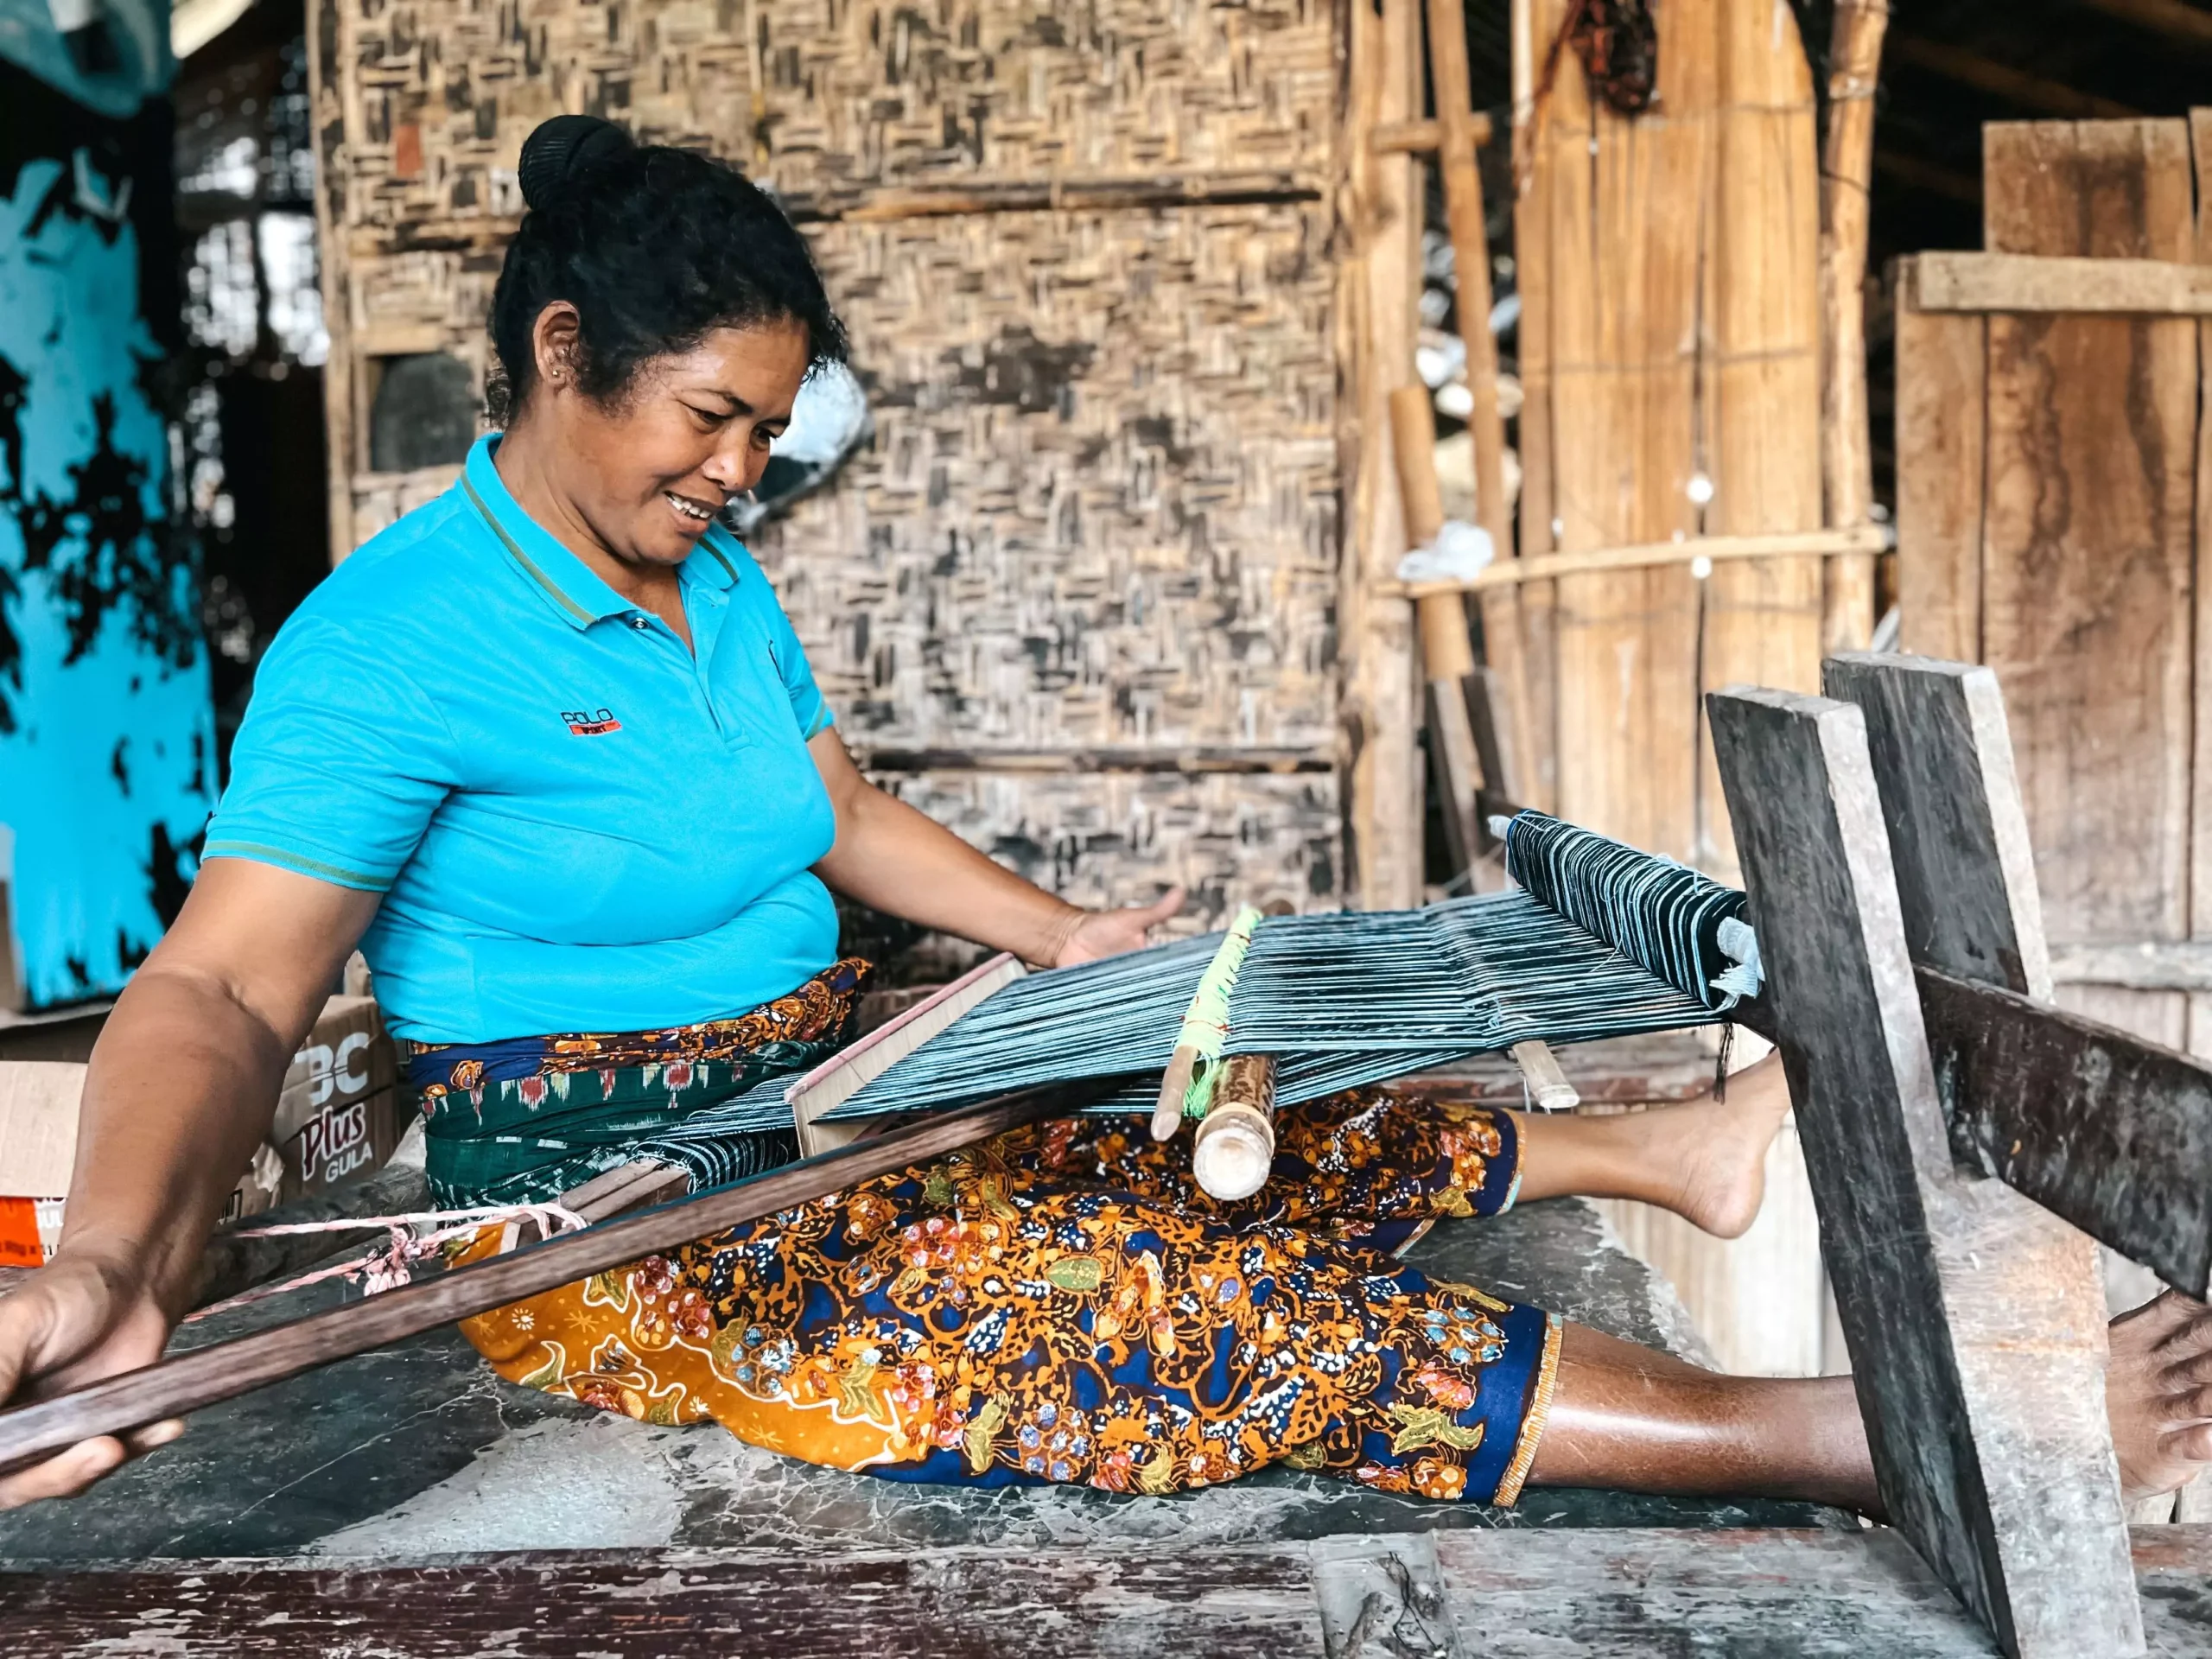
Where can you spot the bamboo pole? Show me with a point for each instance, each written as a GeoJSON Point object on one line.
{"type": "Point", "coordinates": [1846, 169]}
{"type": "Point", "coordinates": [1532, 281]}
{"type": "Point", "coordinates": [1864, 540]}
{"type": "Point", "coordinates": [1447, 655]}
{"type": "Point", "coordinates": [1379, 289]}
{"type": "Point", "coordinates": [1453, 96]}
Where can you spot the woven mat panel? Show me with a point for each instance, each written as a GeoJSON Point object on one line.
{"type": "Point", "coordinates": [822, 96]}
{"type": "Point", "coordinates": [1116, 838]}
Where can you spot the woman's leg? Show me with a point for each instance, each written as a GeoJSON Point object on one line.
{"type": "Point", "coordinates": [1629, 1418]}
{"type": "Point", "coordinates": [1705, 1159]}
{"type": "Point", "coordinates": [1637, 1419]}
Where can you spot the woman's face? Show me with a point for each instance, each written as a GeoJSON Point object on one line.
{"type": "Point", "coordinates": [648, 471]}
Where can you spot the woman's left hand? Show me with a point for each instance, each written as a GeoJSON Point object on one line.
{"type": "Point", "coordinates": [1110, 932]}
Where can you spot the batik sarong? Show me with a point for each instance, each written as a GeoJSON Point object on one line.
{"type": "Point", "coordinates": [1063, 1304]}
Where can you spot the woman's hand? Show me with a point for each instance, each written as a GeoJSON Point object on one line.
{"type": "Point", "coordinates": [83, 1317]}
{"type": "Point", "coordinates": [1098, 934]}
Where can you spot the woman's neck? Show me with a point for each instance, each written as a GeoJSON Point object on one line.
{"type": "Point", "coordinates": [530, 460]}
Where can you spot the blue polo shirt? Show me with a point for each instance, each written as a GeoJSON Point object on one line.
{"type": "Point", "coordinates": [576, 824]}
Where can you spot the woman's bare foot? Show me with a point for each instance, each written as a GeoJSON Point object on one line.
{"type": "Point", "coordinates": [1719, 1148]}
{"type": "Point", "coordinates": [2158, 1393]}
{"type": "Point", "coordinates": [1705, 1159]}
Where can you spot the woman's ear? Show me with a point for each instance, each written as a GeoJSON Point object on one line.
{"type": "Point", "coordinates": [556, 345]}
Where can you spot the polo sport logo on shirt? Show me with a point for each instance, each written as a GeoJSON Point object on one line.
{"type": "Point", "coordinates": [592, 723]}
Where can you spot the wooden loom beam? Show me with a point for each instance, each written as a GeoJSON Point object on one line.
{"type": "Point", "coordinates": [1991, 1455]}
{"type": "Point", "coordinates": [187, 1382]}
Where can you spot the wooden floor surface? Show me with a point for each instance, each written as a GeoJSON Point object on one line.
{"type": "Point", "coordinates": [1598, 1594]}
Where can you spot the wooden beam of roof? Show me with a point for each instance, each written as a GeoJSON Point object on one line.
{"type": "Point", "coordinates": [2175, 19]}
{"type": "Point", "coordinates": [2029, 91]}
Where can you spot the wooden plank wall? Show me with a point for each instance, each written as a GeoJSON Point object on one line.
{"type": "Point", "coordinates": [1085, 254]}
{"type": "Point", "coordinates": [1669, 340]}
{"type": "Point", "coordinates": [2050, 487]}
{"type": "Point", "coordinates": [2088, 544]}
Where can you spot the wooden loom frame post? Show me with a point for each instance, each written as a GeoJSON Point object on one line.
{"type": "Point", "coordinates": [1847, 449]}
{"type": "Point", "coordinates": [1988, 1463]}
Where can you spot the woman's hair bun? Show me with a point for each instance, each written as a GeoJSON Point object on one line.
{"type": "Point", "coordinates": [563, 149]}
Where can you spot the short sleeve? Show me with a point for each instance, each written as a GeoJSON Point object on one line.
{"type": "Point", "coordinates": [808, 708]}
{"type": "Point", "coordinates": [338, 765]}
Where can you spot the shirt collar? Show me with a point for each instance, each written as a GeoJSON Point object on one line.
{"type": "Point", "coordinates": [715, 564]}
{"type": "Point", "coordinates": [570, 585]}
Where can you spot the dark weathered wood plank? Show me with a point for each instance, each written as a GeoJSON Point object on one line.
{"type": "Point", "coordinates": [1978, 1362]}
{"type": "Point", "coordinates": [1942, 758]}
{"type": "Point", "coordinates": [1505, 1593]}
{"type": "Point", "coordinates": [1607, 1594]}
{"type": "Point", "coordinates": [685, 1604]}
{"type": "Point", "coordinates": [2113, 1132]}
{"type": "Point", "coordinates": [187, 1382]}
{"type": "Point", "coordinates": [2110, 1131]}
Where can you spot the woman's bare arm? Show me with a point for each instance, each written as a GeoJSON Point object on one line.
{"type": "Point", "coordinates": [184, 1080]}
{"type": "Point", "coordinates": [181, 1088]}
{"type": "Point", "coordinates": [894, 859]}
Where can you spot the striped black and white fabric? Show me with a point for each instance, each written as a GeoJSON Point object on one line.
{"type": "Point", "coordinates": [1599, 941]}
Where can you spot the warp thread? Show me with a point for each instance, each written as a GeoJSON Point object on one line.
{"type": "Point", "coordinates": [394, 1263]}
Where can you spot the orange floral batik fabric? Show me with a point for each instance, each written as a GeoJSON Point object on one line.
{"type": "Point", "coordinates": [1063, 1304]}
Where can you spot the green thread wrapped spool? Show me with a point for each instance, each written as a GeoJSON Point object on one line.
{"type": "Point", "coordinates": [1186, 1088]}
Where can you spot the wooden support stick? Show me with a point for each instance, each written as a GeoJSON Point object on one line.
{"type": "Point", "coordinates": [1868, 539]}
{"type": "Point", "coordinates": [1547, 1085]}
{"type": "Point", "coordinates": [170, 1388]}
{"type": "Point", "coordinates": [1421, 137]}
{"type": "Point", "coordinates": [1977, 1344]}
{"type": "Point", "coordinates": [1234, 1147]}
{"type": "Point", "coordinates": [1447, 656]}
{"type": "Point", "coordinates": [841, 1077]}
{"type": "Point", "coordinates": [1503, 650]}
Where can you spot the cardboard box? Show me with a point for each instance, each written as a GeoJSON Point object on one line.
{"type": "Point", "coordinates": [338, 1118]}
{"type": "Point", "coordinates": [339, 1114]}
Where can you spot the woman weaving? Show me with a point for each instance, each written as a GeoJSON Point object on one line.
{"type": "Point", "coordinates": [549, 750]}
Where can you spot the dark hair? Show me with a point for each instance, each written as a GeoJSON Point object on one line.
{"type": "Point", "coordinates": [655, 247]}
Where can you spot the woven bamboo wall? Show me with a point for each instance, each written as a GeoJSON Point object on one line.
{"type": "Point", "coordinates": [1079, 598]}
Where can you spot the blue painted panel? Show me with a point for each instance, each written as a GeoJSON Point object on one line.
{"type": "Point", "coordinates": [106, 729]}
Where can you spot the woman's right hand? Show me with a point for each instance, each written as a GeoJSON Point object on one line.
{"type": "Point", "coordinates": [86, 1315]}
